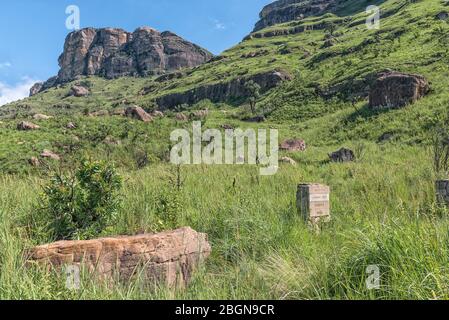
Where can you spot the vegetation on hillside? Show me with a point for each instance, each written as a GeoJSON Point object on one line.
{"type": "Point", "coordinates": [383, 205]}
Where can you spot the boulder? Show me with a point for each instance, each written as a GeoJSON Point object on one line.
{"type": "Point", "coordinates": [396, 90]}
{"type": "Point", "coordinates": [111, 141]}
{"type": "Point", "coordinates": [119, 112]}
{"type": "Point", "coordinates": [293, 145]}
{"type": "Point", "coordinates": [79, 91]}
{"type": "Point", "coordinates": [27, 126]}
{"type": "Point", "coordinates": [34, 162]}
{"type": "Point", "coordinates": [39, 116]}
{"type": "Point", "coordinates": [387, 136]}
{"type": "Point", "coordinates": [287, 160]}
{"type": "Point", "coordinates": [157, 114]}
{"type": "Point", "coordinates": [227, 127]}
{"type": "Point", "coordinates": [181, 117]}
{"type": "Point", "coordinates": [342, 155]}
{"type": "Point", "coordinates": [256, 119]}
{"type": "Point", "coordinates": [138, 113]}
{"type": "Point", "coordinates": [443, 15]}
{"type": "Point", "coordinates": [99, 113]}
{"type": "Point", "coordinates": [168, 258]}
{"type": "Point", "coordinates": [71, 126]}
{"type": "Point", "coordinates": [50, 155]}
{"type": "Point", "coordinates": [200, 114]}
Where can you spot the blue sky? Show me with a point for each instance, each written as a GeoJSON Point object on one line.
{"type": "Point", "coordinates": [33, 31]}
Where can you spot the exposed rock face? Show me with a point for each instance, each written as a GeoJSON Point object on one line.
{"type": "Point", "coordinates": [36, 88]}
{"type": "Point", "coordinates": [342, 155]}
{"type": "Point", "coordinates": [113, 53]}
{"type": "Point", "coordinates": [27, 126]}
{"type": "Point", "coordinates": [223, 91]}
{"type": "Point", "coordinates": [138, 113]}
{"type": "Point", "coordinates": [290, 10]}
{"type": "Point", "coordinates": [293, 145]}
{"type": "Point", "coordinates": [396, 90]}
{"type": "Point", "coordinates": [168, 257]}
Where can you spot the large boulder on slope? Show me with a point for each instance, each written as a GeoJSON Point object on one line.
{"type": "Point", "coordinates": [165, 258]}
{"type": "Point", "coordinates": [395, 90]}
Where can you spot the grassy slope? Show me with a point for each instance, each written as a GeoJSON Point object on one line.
{"type": "Point", "coordinates": [296, 107]}
{"type": "Point", "coordinates": [383, 205]}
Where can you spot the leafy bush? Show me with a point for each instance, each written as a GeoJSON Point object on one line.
{"type": "Point", "coordinates": [85, 204]}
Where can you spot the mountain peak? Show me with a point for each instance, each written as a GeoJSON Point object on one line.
{"type": "Point", "coordinates": [114, 52]}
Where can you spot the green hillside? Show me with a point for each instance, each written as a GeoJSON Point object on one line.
{"type": "Point", "coordinates": [383, 205]}
{"type": "Point", "coordinates": [317, 105]}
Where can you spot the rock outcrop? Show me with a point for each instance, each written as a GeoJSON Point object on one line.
{"type": "Point", "coordinates": [167, 258]}
{"type": "Point", "coordinates": [223, 91]}
{"type": "Point", "coordinates": [36, 88]}
{"type": "Point", "coordinates": [287, 160]}
{"type": "Point", "coordinates": [27, 126]}
{"type": "Point", "coordinates": [50, 155]}
{"type": "Point", "coordinates": [40, 116]}
{"type": "Point", "coordinates": [138, 113]}
{"type": "Point", "coordinates": [342, 155]}
{"type": "Point", "coordinates": [396, 90]}
{"type": "Point", "coordinates": [113, 53]}
{"type": "Point", "coordinates": [293, 145]}
{"type": "Point", "coordinates": [290, 10]}
{"type": "Point", "coordinates": [79, 91]}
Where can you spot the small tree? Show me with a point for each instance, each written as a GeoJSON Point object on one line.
{"type": "Point", "coordinates": [253, 90]}
{"type": "Point", "coordinates": [82, 205]}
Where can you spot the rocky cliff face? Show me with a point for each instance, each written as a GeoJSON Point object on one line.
{"type": "Point", "coordinates": [223, 91]}
{"type": "Point", "coordinates": [113, 53]}
{"type": "Point", "coordinates": [289, 10]}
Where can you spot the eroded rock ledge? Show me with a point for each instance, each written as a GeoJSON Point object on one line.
{"type": "Point", "coordinates": [223, 91]}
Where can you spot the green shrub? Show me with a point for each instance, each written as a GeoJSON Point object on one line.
{"type": "Point", "coordinates": [84, 204]}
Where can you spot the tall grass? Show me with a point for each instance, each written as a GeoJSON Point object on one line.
{"type": "Point", "coordinates": [383, 211]}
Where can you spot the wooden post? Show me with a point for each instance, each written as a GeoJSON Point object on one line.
{"type": "Point", "coordinates": [442, 188]}
{"type": "Point", "coordinates": [313, 202]}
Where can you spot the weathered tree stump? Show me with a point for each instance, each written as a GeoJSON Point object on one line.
{"type": "Point", "coordinates": [165, 258]}
{"type": "Point", "coordinates": [313, 202]}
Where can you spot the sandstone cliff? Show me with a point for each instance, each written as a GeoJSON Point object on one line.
{"type": "Point", "coordinates": [114, 53]}
{"type": "Point", "coordinates": [282, 11]}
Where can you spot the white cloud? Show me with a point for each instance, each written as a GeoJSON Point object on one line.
{"type": "Point", "coordinates": [16, 92]}
{"type": "Point", "coordinates": [218, 25]}
{"type": "Point", "coordinates": [5, 65]}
